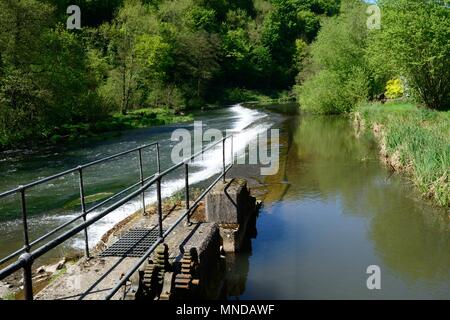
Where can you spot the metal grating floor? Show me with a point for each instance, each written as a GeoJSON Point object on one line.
{"type": "Point", "coordinates": [134, 243]}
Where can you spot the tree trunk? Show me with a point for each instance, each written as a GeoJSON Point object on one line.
{"type": "Point", "coordinates": [124, 89]}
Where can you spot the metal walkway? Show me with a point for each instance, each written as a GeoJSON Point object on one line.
{"type": "Point", "coordinates": [138, 243]}
{"type": "Point", "coordinates": [134, 243]}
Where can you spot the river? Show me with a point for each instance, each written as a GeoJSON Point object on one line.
{"type": "Point", "coordinates": [331, 211]}
{"type": "Point", "coordinates": [52, 204]}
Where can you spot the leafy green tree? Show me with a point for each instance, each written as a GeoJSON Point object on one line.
{"type": "Point", "coordinates": [154, 56]}
{"type": "Point", "coordinates": [414, 42]}
{"type": "Point", "coordinates": [236, 19]}
{"type": "Point", "coordinates": [343, 78]}
{"type": "Point", "coordinates": [200, 18]}
{"type": "Point", "coordinates": [46, 76]}
{"type": "Point", "coordinates": [288, 21]}
{"type": "Point", "coordinates": [128, 36]}
{"type": "Point", "coordinates": [69, 78]}
{"type": "Point", "coordinates": [236, 50]}
{"type": "Point", "coordinates": [196, 56]}
{"type": "Point", "coordinates": [21, 26]}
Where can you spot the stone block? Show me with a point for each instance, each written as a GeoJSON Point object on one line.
{"type": "Point", "coordinates": [228, 203]}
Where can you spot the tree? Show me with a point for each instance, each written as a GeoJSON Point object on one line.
{"type": "Point", "coordinates": [200, 18]}
{"type": "Point", "coordinates": [154, 56]}
{"type": "Point", "coordinates": [236, 51]}
{"type": "Point", "coordinates": [288, 21]}
{"type": "Point", "coordinates": [130, 27]}
{"type": "Point", "coordinates": [338, 56]}
{"type": "Point", "coordinates": [414, 42]}
{"type": "Point", "coordinates": [21, 94]}
{"type": "Point", "coordinates": [46, 76]}
{"type": "Point", "coordinates": [196, 56]}
{"type": "Point", "coordinates": [69, 79]}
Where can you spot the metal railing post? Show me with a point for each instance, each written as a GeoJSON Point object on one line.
{"type": "Point", "coordinates": [186, 194]}
{"type": "Point", "coordinates": [26, 240]}
{"type": "Point", "coordinates": [223, 160]}
{"type": "Point", "coordinates": [158, 199]}
{"type": "Point", "coordinates": [158, 159]}
{"type": "Point", "coordinates": [27, 275]}
{"type": "Point", "coordinates": [141, 175]}
{"type": "Point", "coordinates": [26, 257]}
{"type": "Point", "coordinates": [203, 154]}
{"type": "Point", "coordinates": [83, 210]}
{"type": "Point", "coordinates": [232, 149]}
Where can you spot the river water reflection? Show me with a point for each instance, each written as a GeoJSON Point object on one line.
{"type": "Point", "coordinates": [333, 210]}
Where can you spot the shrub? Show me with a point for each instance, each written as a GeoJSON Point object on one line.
{"type": "Point", "coordinates": [394, 89]}
{"type": "Point", "coordinates": [321, 94]}
{"type": "Point", "coordinates": [327, 93]}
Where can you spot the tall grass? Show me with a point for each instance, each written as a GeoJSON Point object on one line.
{"type": "Point", "coordinates": [420, 141]}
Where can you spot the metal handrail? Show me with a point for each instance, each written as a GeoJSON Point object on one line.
{"type": "Point", "coordinates": [79, 169]}
{"type": "Point", "coordinates": [25, 261]}
{"type": "Point", "coordinates": [84, 166]}
{"type": "Point", "coordinates": [65, 224]}
{"type": "Point", "coordinates": [136, 266]}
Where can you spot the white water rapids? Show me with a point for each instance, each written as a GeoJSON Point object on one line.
{"type": "Point", "coordinates": [210, 165]}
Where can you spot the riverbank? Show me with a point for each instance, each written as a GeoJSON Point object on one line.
{"type": "Point", "coordinates": [112, 126]}
{"type": "Point", "coordinates": [414, 141]}
{"type": "Point", "coordinates": [254, 97]}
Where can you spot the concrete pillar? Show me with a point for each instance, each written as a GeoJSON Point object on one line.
{"type": "Point", "coordinates": [230, 205]}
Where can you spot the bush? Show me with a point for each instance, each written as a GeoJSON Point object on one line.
{"type": "Point", "coordinates": [321, 94]}
{"type": "Point", "coordinates": [327, 93]}
{"type": "Point", "coordinates": [394, 89]}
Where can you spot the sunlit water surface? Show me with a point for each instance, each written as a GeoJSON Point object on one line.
{"type": "Point", "coordinates": [333, 210]}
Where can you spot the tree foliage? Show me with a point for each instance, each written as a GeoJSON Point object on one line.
{"type": "Point", "coordinates": [341, 79]}
{"type": "Point", "coordinates": [414, 43]}
{"type": "Point", "coordinates": [182, 54]}
{"type": "Point", "coordinates": [45, 76]}
{"type": "Point", "coordinates": [132, 54]}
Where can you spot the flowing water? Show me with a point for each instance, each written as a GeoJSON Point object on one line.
{"type": "Point", "coordinates": [331, 211]}
{"type": "Point", "coordinates": [51, 204]}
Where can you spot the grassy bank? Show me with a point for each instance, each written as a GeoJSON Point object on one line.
{"type": "Point", "coordinates": [141, 118]}
{"type": "Point", "coordinates": [113, 124]}
{"type": "Point", "coordinates": [237, 95]}
{"type": "Point", "coordinates": [104, 129]}
{"type": "Point", "coordinates": [413, 140]}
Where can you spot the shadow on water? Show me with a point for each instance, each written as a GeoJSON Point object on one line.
{"type": "Point", "coordinates": [330, 212]}
{"type": "Point", "coordinates": [237, 265]}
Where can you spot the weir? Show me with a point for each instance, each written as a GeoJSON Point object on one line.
{"type": "Point", "coordinates": [159, 252]}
